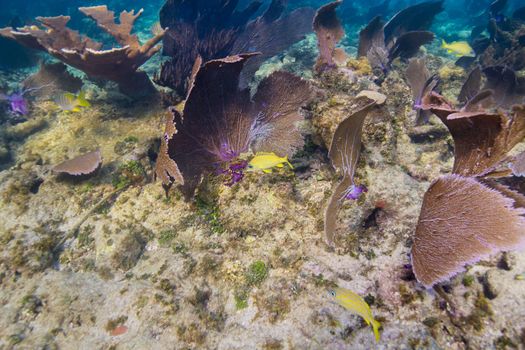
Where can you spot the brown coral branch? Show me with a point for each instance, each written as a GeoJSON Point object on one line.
{"type": "Point", "coordinates": [118, 64]}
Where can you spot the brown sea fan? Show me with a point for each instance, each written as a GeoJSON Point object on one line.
{"type": "Point", "coordinates": [344, 154]}
{"type": "Point", "coordinates": [329, 32]}
{"type": "Point", "coordinates": [85, 164]}
{"type": "Point", "coordinates": [479, 210]}
{"type": "Point", "coordinates": [421, 83]}
{"type": "Point", "coordinates": [463, 221]}
{"type": "Point", "coordinates": [220, 121]}
{"type": "Point", "coordinates": [481, 138]}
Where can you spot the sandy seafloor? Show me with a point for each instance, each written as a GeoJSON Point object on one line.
{"type": "Point", "coordinates": [243, 267]}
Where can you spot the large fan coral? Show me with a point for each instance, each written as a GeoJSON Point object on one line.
{"type": "Point", "coordinates": [220, 121]}
{"type": "Point", "coordinates": [215, 29]}
{"type": "Point", "coordinates": [118, 64]}
{"type": "Point", "coordinates": [469, 215]}
{"type": "Point", "coordinates": [462, 221]}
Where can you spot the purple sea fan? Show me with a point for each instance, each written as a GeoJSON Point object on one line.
{"type": "Point", "coordinates": [220, 121]}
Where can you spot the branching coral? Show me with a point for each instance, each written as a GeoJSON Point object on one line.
{"type": "Point", "coordinates": [214, 29]}
{"type": "Point", "coordinates": [220, 121]}
{"type": "Point", "coordinates": [344, 154]}
{"type": "Point", "coordinates": [118, 64]}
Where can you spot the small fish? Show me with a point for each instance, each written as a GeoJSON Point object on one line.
{"type": "Point", "coordinates": [356, 304]}
{"type": "Point", "coordinates": [520, 277]}
{"type": "Point", "coordinates": [459, 48]}
{"type": "Point", "coordinates": [70, 103]}
{"type": "Point", "coordinates": [265, 161]}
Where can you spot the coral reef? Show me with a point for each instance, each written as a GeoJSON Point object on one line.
{"type": "Point", "coordinates": [240, 262]}
{"type": "Point", "coordinates": [118, 64]}
{"type": "Point", "coordinates": [401, 37]}
{"type": "Point", "coordinates": [482, 141]}
{"type": "Point", "coordinates": [441, 250]}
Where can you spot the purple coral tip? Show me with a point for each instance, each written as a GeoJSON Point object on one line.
{"type": "Point", "coordinates": [355, 192]}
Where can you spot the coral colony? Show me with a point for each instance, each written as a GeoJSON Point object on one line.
{"type": "Point", "coordinates": [118, 64]}
{"type": "Point", "coordinates": [408, 156]}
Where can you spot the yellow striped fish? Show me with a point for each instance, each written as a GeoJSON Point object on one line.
{"type": "Point", "coordinates": [357, 305]}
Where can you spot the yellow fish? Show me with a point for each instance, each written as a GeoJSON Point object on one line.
{"type": "Point", "coordinates": [459, 48]}
{"type": "Point", "coordinates": [265, 161]}
{"type": "Point", "coordinates": [357, 305]}
{"type": "Point", "coordinates": [70, 103]}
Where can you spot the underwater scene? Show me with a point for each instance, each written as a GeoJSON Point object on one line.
{"type": "Point", "coordinates": [273, 174]}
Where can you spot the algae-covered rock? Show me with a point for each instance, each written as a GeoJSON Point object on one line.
{"type": "Point", "coordinates": [23, 130]}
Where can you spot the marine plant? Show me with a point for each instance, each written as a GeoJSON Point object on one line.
{"type": "Point", "coordinates": [220, 121]}
{"type": "Point", "coordinates": [344, 154]}
{"type": "Point", "coordinates": [50, 78]}
{"type": "Point", "coordinates": [200, 31]}
{"type": "Point", "coordinates": [474, 212]}
{"type": "Point", "coordinates": [505, 45]}
{"type": "Point", "coordinates": [119, 65]}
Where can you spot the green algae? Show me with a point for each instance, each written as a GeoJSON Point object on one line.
{"type": "Point", "coordinates": [241, 299]}
{"type": "Point", "coordinates": [208, 210]}
{"type": "Point", "coordinates": [129, 251]}
{"type": "Point", "coordinates": [276, 306]}
{"type": "Point", "coordinates": [84, 238]}
{"type": "Point", "coordinates": [191, 333]}
{"type": "Point", "coordinates": [166, 237]}
{"type": "Point", "coordinates": [126, 145]}
{"type": "Point", "coordinates": [129, 173]}
{"type": "Point", "coordinates": [482, 310]}
{"type": "Point", "coordinates": [468, 280]}
{"type": "Point", "coordinates": [256, 273]}
{"type": "Point", "coordinates": [431, 321]}
{"type": "Point", "coordinates": [504, 342]}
